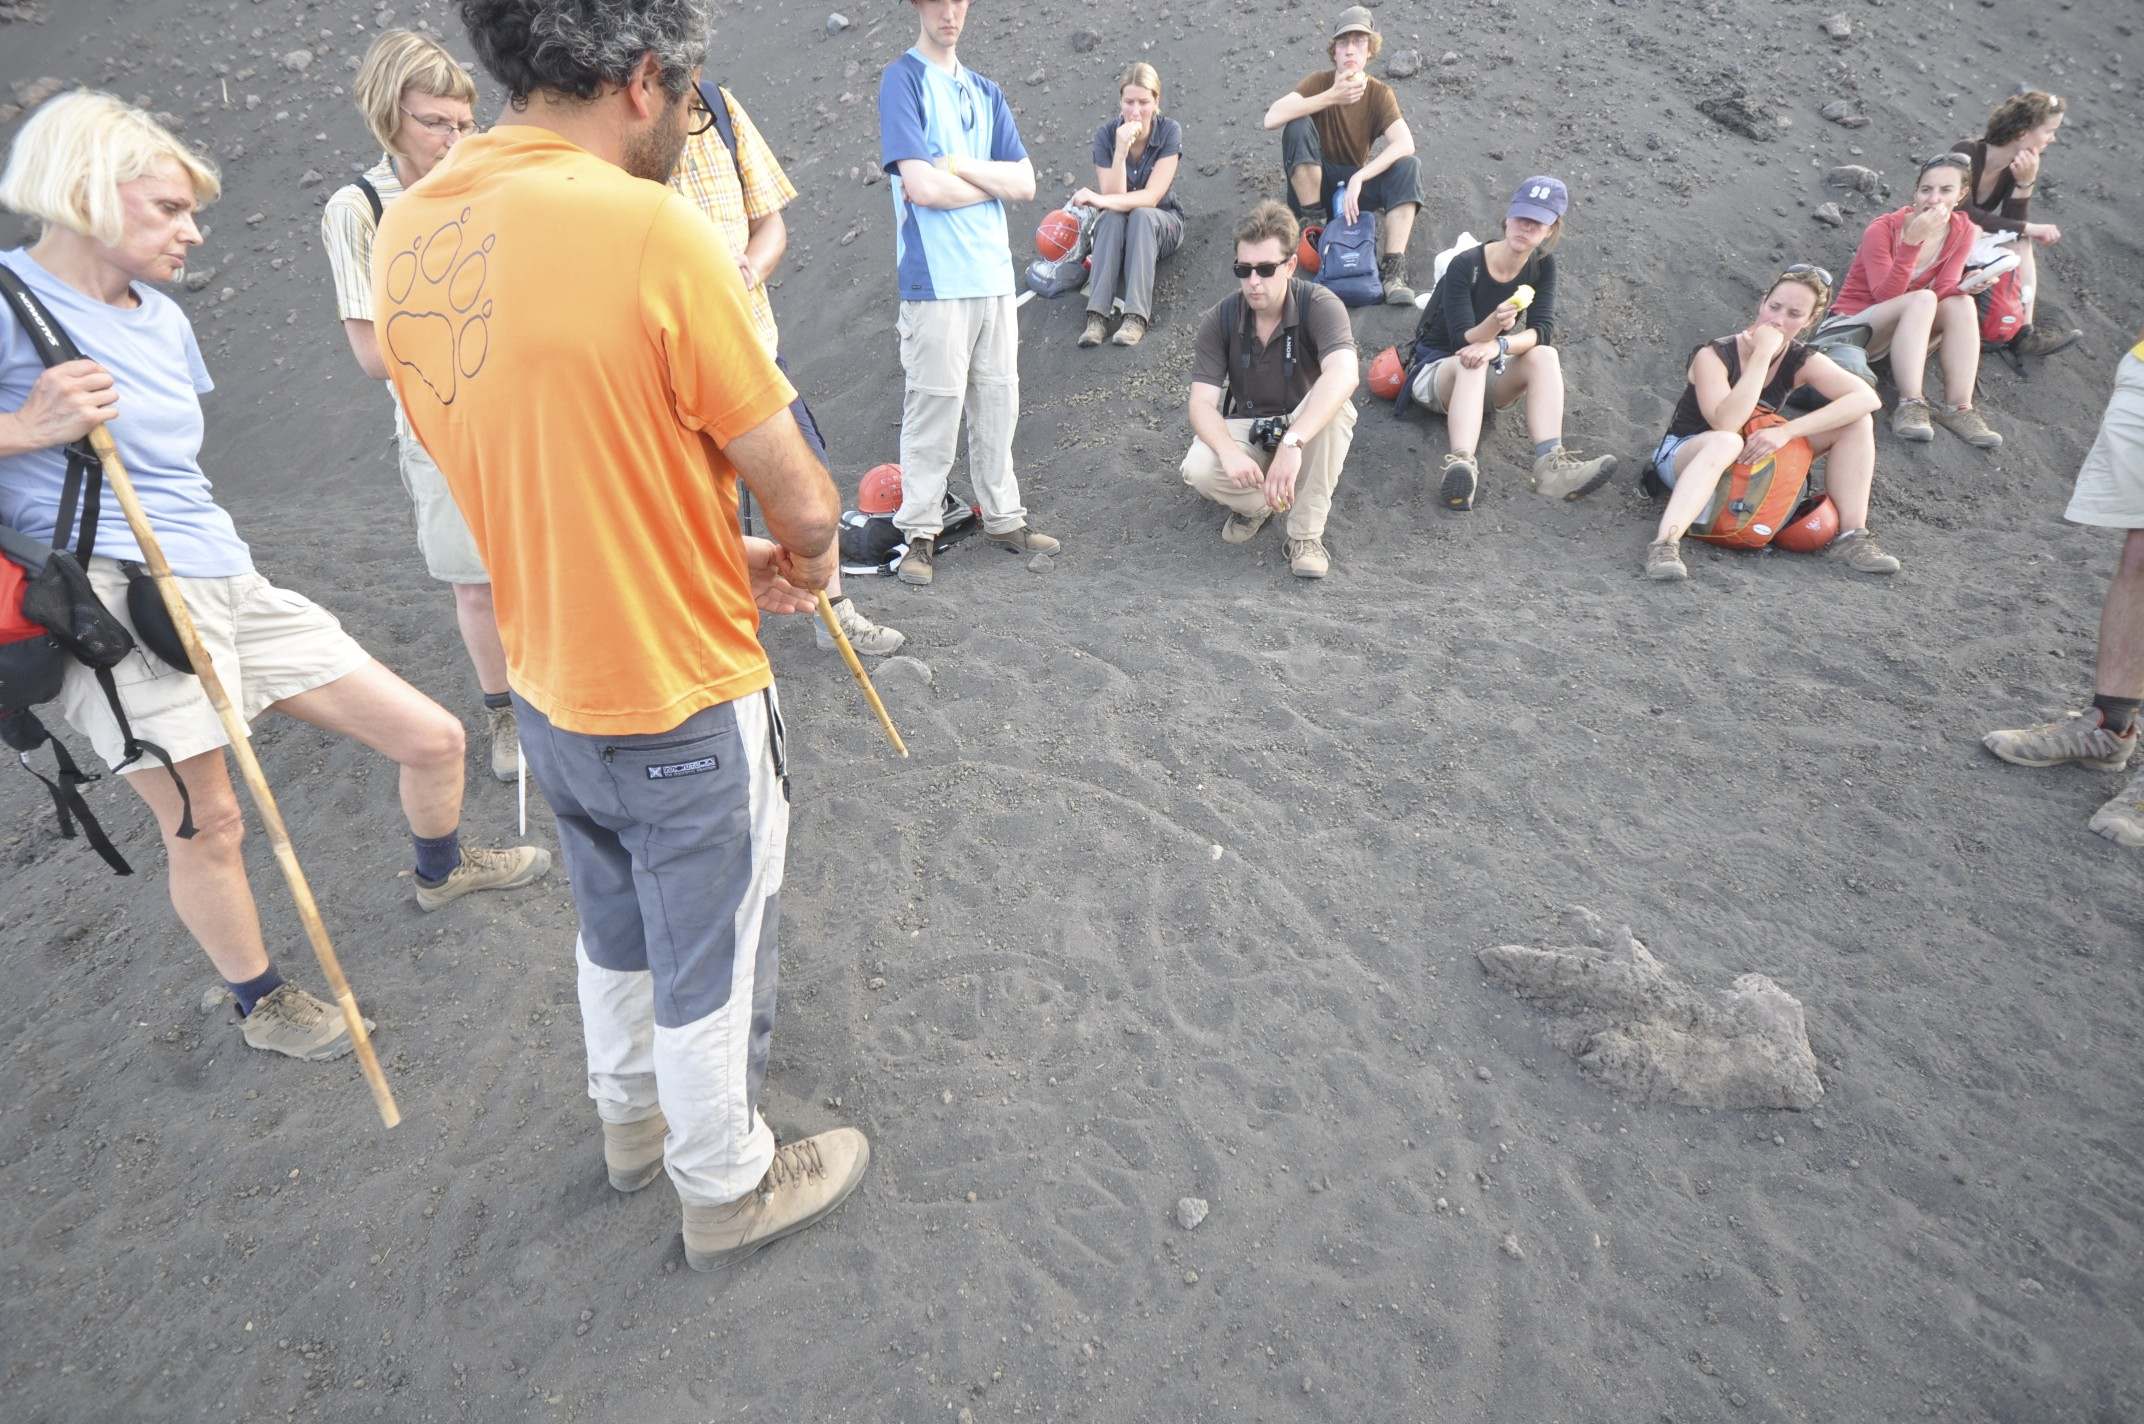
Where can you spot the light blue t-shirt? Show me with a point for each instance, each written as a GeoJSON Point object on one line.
{"type": "Point", "coordinates": [156, 362]}
{"type": "Point", "coordinates": [926, 113]}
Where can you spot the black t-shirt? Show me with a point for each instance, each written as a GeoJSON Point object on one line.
{"type": "Point", "coordinates": [1689, 417]}
{"type": "Point", "coordinates": [1467, 293]}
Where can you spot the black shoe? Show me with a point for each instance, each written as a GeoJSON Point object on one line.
{"type": "Point", "coordinates": [916, 563]}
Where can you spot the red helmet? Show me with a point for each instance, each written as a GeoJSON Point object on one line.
{"type": "Point", "coordinates": [879, 492]}
{"type": "Point", "coordinates": [1057, 236]}
{"type": "Point", "coordinates": [1387, 375]}
{"type": "Point", "coordinates": [1306, 251]}
{"type": "Point", "coordinates": [1814, 524]}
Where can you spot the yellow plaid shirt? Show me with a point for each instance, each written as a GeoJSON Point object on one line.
{"type": "Point", "coordinates": [736, 194]}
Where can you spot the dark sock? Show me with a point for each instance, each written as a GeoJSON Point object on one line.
{"type": "Point", "coordinates": [437, 857]}
{"type": "Point", "coordinates": [1542, 447]}
{"type": "Point", "coordinates": [498, 701]}
{"type": "Point", "coordinates": [2117, 714]}
{"type": "Point", "coordinates": [255, 989]}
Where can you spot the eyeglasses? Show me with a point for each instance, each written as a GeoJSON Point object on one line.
{"type": "Point", "coordinates": [1263, 269]}
{"type": "Point", "coordinates": [440, 128]}
{"type": "Point", "coordinates": [703, 118]}
{"type": "Point", "coordinates": [1822, 274]}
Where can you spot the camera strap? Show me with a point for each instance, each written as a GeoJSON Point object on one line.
{"type": "Point", "coordinates": [1247, 342]}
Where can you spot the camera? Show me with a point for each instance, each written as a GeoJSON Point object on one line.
{"type": "Point", "coordinates": [1266, 431]}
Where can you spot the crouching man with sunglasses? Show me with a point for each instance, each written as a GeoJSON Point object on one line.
{"type": "Point", "coordinates": [1271, 389]}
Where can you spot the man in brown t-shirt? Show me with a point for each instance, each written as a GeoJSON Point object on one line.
{"type": "Point", "coordinates": [1271, 395]}
{"type": "Point", "coordinates": [1329, 123]}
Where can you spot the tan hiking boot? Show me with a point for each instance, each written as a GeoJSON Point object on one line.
{"type": "Point", "coordinates": [1663, 560]}
{"type": "Point", "coordinates": [292, 1022]}
{"type": "Point", "coordinates": [917, 565]}
{"type": "Point", "coordinates": [864, 635]}
{"type": "Point", "coordinates": [1859, 551]}
{"type": "Point", "coordinates": [1242, 528]}
{"type": "Point", "coordinates": [1968, 425]}
{"type": "Point", "coordinates": [1461, 478]}
{"type": "Point", "coordinates": [1307, 558]}
{"type": "Point", "coordinates": [1096, 328]}
{"type": "Point", "coordinates": [633, 1151]}
{"type": "Point", "coordinates": [1392, 271]}
{"type": "Point", "coordinates": [1024, 541]}
{"type": "Point", "coordinates": [505, 734]}
{"type": "Point", "coordinates": [508, 868]}
{"type": "Point", "coordinates": [2080, 739]}
{"type": "Point", "coordinates": [1561, 475]}
{"type": "Point", "coordinates": [2037, 340]}
{"type": "Point", "coordinates": [1130, 332]}
{"type": "Point", "coordinates": [2122, 819]}
{"type": "Point", "coordinates": [1911, 421]}
{"type": "Point", "coordinates": [807, 1180]}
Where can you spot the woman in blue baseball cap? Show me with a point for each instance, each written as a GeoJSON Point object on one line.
{"type": "Point", "coordinates": [1485, 336]}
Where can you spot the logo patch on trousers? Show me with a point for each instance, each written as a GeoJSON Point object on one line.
{"type": "Point", "coordinates": [683, 768]}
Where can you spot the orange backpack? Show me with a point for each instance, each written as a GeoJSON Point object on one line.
{"type": "Point", "coordinates": [1758, 499]}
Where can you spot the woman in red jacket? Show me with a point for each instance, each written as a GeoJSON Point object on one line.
{"type": "Point", "coordinates": [1904, 292]}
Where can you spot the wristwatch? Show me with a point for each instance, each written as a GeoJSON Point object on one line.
{"type": "Point", "coordinates": [1503, 346]}
{"type": "Point", "coordinates": [1292, 440]}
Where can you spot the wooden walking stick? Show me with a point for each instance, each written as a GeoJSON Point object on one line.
{"type": "Point", "coordinates": [115, 476]}
{"type": "Point", "coordinates": [863, 679]}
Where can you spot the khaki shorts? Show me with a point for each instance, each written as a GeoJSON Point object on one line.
{"type": "Point", "coordinates": [267, 644]}
{"type": "Point", "coordinates": [442, 534]}
{"type": "Point", "coordinates": [1424, 389]}
{"type": "Point", "coordinates": [2110, 486]}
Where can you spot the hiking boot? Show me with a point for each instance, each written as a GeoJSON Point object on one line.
{"type": "Point", "coordinates": [1242, 528]}
{"type": "Point", "coordinates": [1392, 271]}
{"type": "Point", "coordinates": [1561, 475]}
{"type": "Point", "coordinates": [292, 1022]}
{"type": "Point", "coordinates": [864, 635]}
{"type": "Point", "coordinates": [1130, 332]}
{"type": "Point", "coordinates": [508, 868]}
{"type": "Point", "coordinates": [916, 563]}
{"type": "Point", "coordinates": [2082, 739]}
{"type": "Point", "coordinates": [2039, 340]}
{"type": "Point", "coordinates": [633, 1151]}
{"type": "Point", "coordinates": [1025, 541]}
{"type": "Point", "coordinates": [1859, 551]}
{"type": "Point", "coordinates": [1461, 477]}
{"type": "Point", "coordinates": [1096, 328]}
{"type": "Point", "coordinates": [2122, 819]}
{"type": "Point", "coordinates": [807, 1180]}
{"type": "Point", "coordinates": [1307, 558]}
{"type": "Point", "coordinates": [505, 743]}
{"type": "Point", "coordinates": [1911, 421]}
{"type": "Point", "coordinates": [1663, 560]}
{"type": "Point", "coordinates": [1966, 423]}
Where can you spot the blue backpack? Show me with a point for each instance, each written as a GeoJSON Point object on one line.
{"type": "Point", "coordinates": [1347, 258]}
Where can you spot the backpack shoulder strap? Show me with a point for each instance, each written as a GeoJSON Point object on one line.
{"type": "Point", "coordinates": [23, 732]}
{"type": "Point", "coordinates": [84, 481]}
{"type": "Point", "coordinates": [718, 104]}
{"type": "Point", "coordinates": [372, 198]}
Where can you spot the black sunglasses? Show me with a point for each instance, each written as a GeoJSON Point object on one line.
{"type": "Point", "coordinates": [1822, 274]}
{"type": "Point", "coordinates": [1263, 269]}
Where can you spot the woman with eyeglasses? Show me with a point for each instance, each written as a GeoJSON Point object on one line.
{"type": "Point", "coordinates": [418, 102]}
{"type": "Point", "coordinates": [1755, 369]}
{"type": "Point", "coordinates": [1998, 197]}
{"type": "Point", "coordinates": [1136, 155]}
{"type": "Point", "coordinates": [1484, 339]}
{"type": "Point", "coordinates": [1906, 293]}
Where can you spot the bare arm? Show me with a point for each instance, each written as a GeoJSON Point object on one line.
{"type": "Point", "coordinates": [1338, 375]}
{"type": "Point", "coordinates": [365, 346]}
{"type": "Point", "coordinates": [763, 250]}
{"type": "Point", "coordinates": [1010, 182]}
{"type": "Point", "coordinates": [1399, 142]}
{"type": "Point", "coordinates": [930, 187]}
{"type": "Point", "coordinates": [1847, 398]}
{"type": "Point", "coordinates": [1726, 407]}
{"type": "Point", "coordinates": [1292, 106]}
{"type": "Point", "coordinates": [795, 495]}
{"type": "Point", "coordinates": [1119, 201]}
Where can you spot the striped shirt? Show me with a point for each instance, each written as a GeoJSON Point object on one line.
{"type": "Point", "coordinates": [346, 230]}
{"type": "Point", "coordinates": [735, 195]}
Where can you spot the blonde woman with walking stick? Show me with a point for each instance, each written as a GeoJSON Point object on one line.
{"type": "Point", "coordinates": [115, 195]}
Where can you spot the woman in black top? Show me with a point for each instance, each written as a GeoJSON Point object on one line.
{"type": "Point", "coordinates": [1998, 196]}
{"type": "Point", "coordinates": [1474, 346]}
{"type": "Point", "coordinates": [1761, 365]}
{"type": "Point", "coordinates": [1135, 160]}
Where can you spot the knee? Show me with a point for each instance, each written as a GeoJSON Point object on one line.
{"type": "Point", "coordinates": [1147, 218]}
{"type": "Point", "coordinates": [219, 830]}
{"type": "Point", "coordinates": [436, 739]}
{"type": "Point", "coordinates": [1542, 359]}
{"type": "Point", "coordinates": [1108, 222]}
{"type": "Point", "coordinates": [473, 597]}
{"type": "Point", "coordinates": [1406, 171]}
{"type": "Point", "coordinates": [1718, 446]}
{"type": "Point", "coordinates": [1959, 307]}
{"type": "Point", "coordinates": [1922, 302]}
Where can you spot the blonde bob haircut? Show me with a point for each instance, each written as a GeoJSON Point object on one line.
{"type": "Point", "coordinates": [67, 162]}
{"type": "Point", "coordinates": [398, 62]}
{"type": "Point", "coordinates": [1145, 75]}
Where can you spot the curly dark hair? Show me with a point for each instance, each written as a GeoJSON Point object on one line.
{"type": "Point", "coordinates": [574, 48]}
{"type": "Point", "coordinates": [2020, 114]}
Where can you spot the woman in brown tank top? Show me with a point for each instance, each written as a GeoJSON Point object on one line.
{"type": "Point", "coordinates": [1768, 361]}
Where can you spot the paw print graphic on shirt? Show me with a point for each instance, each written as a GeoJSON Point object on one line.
{"type": "Point", "coordinates": [443, 331]}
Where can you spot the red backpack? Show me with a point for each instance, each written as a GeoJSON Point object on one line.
{"type": "Point", "coordinates": [1758, 500]}
{"type": "Point", "coordinates": [2002, 311]}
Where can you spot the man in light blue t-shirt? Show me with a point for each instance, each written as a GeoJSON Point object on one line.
{"type": "Point", "coordinates": [948, 141]}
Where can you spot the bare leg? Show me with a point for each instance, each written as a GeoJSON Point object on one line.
{"type": "Point", "coordinates": [1957, 342]}
{"type": "Point", "coordinates": [1538, 376]}
{"type": "Point", "coordinates": [1398, 226]}
{"type": "Point", "coordinates": [1699, 463]}
{"type": "Point", "coordinates": [2121, 624]}
{"type": "Point", "coordinates": [208, 873]}
{"type": "Point", "coordinates": [2028, 275]}
{"type": "Point", "coordinates": [480, 635]}
{"type": "Point", "coordinates": [1902, 326]}
{"type": "Point", "coordinates": [1462, 392]}
{"type": "Point", "coordinates": [1306, 182]}
{"type": "Point", "coordinates": [1851, 450]}
{"type": "Point", "coordinates": [385, 713]}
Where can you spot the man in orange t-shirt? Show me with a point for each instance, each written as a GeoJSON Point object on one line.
{"type": "Point", "coordinates": [573, 346]}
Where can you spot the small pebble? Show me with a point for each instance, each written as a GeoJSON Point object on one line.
{"type": "Point", "coordinates": [1040, 564]}
{"type": "Point", "coordinates": [1512, 1248]}
{"type": "Point", "coordinates": [1190, 1211]}
{"type": "Point", "coordinates": [1482, 1073]}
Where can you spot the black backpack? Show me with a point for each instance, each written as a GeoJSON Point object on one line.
{"type": "Point", "coordinates": [65, 619]}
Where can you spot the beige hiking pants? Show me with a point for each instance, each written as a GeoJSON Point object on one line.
{"type": "Point", "coordinates": [959, 354]}
{"type": "Point", "coordinates": [1314, 484]}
